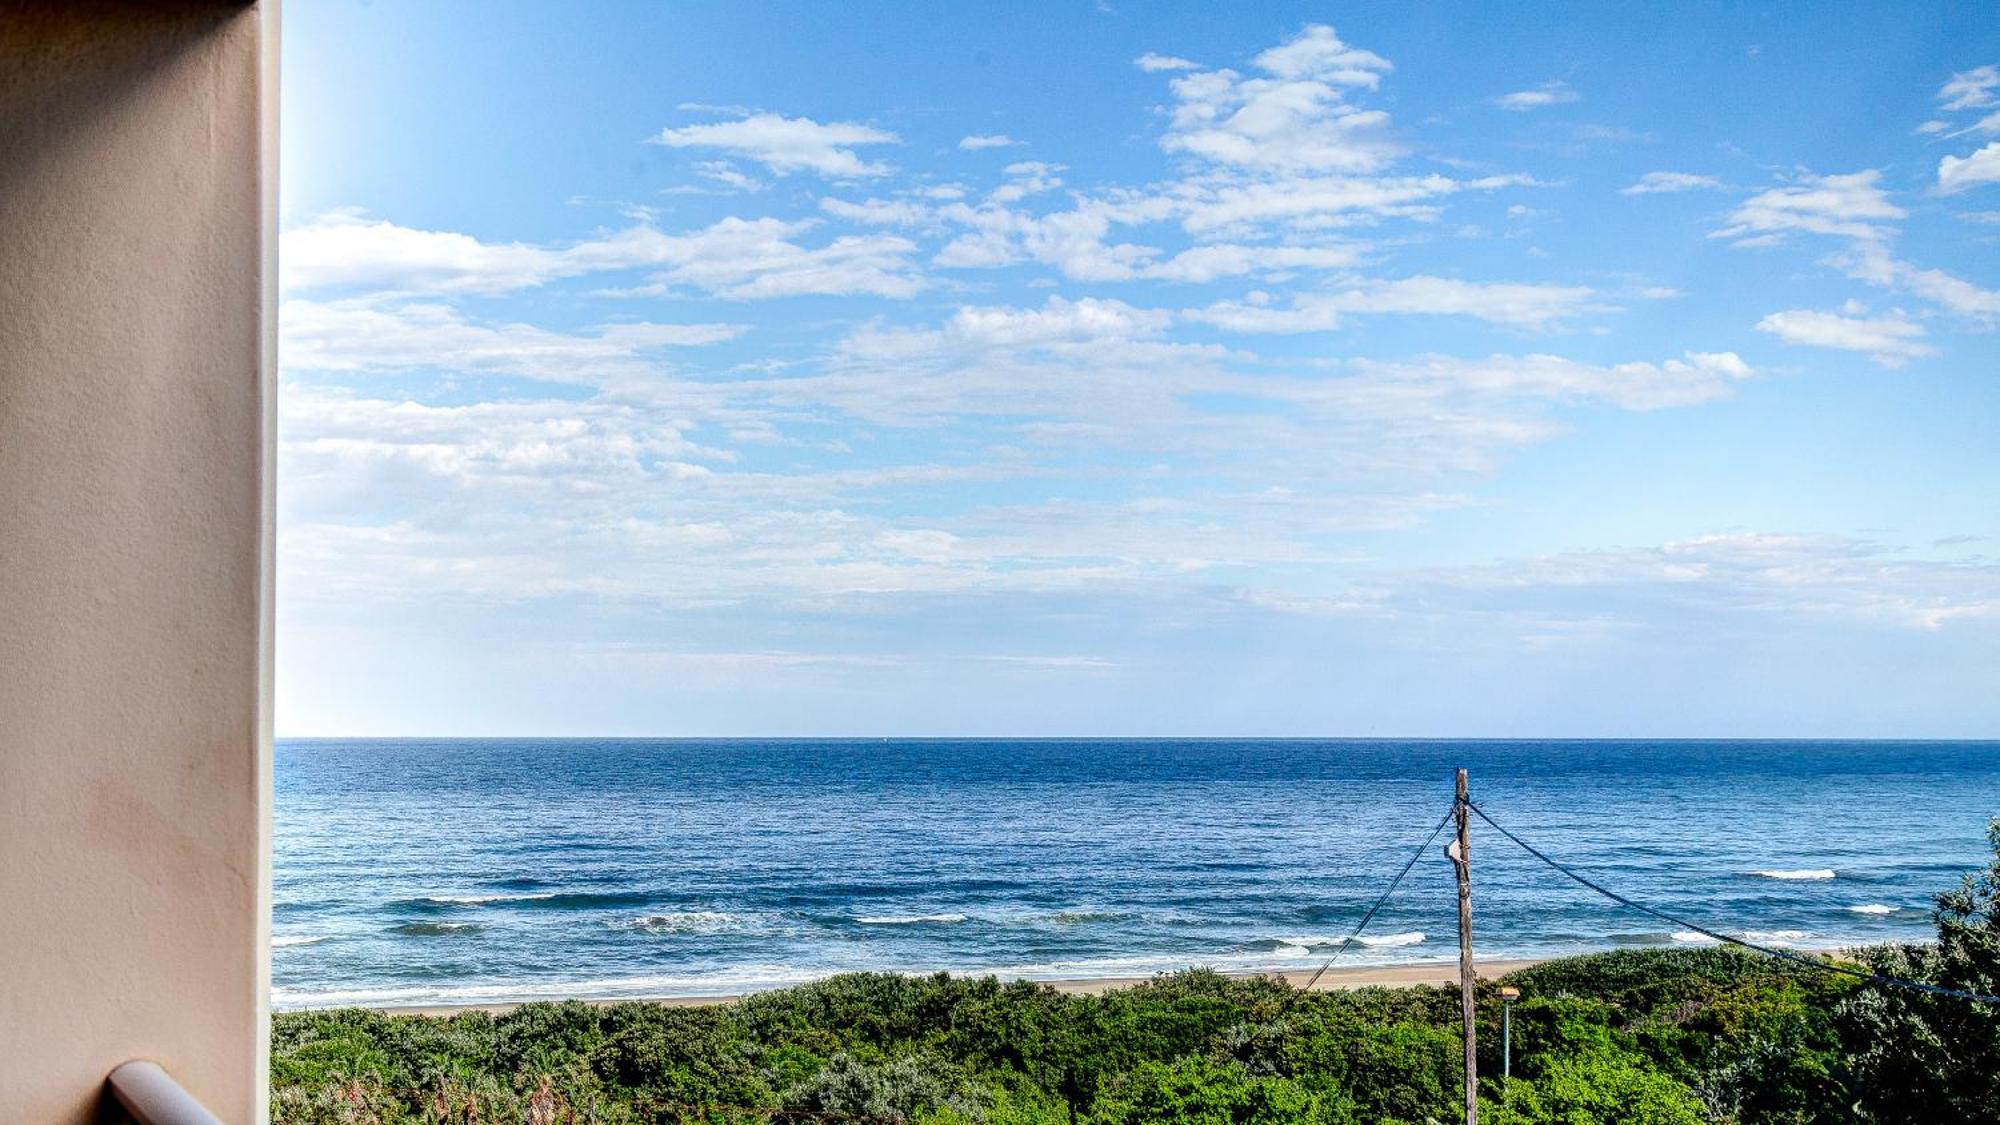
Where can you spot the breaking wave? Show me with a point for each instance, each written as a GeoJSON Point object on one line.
{"type": "Point", "coordinates": [435, 929]}
{"type": "Point", "coordinates": [681, 922]}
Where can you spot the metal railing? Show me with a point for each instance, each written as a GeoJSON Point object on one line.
{"type": "Point", "coordinates": [152, 1097]}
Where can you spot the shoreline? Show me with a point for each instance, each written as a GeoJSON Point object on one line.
{"type": "Point", "coordinates": [1334, 980]}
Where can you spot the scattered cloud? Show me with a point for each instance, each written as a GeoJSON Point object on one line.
{"type": "Point", "coordinates": [1517, 304]}
{"type": "Point", "coordinates": [1955, 174]}
{"type": "Point", "coordinates": [1970, 89]}
{"type": "Point", "coordinates": [734, 258]}
{"type": "Point", "coordinates": [1850, 206]}
{"type": "Point", "coordinates": [1890, 340]}
{"type": "Point", "coordinates": [1757, 573]}
{"type": "Point", "coordinates": [787, 144]}
{"type": "Point", "coordinates": [1873, 263]}
{"type": "Point", "coordinates": [728, 175]}
{"type": "Point", "coordinates": [366, 335]}
{"type": "Point", "coordinates": [1065, 388]}
{"type": "Point", "coordinates": [748, 259]}
{"type": "Point", "coordinates": [1659, 183]}
{"type": "Point", "coordinates": [1541, 97]}
{"type": "Point", "coordinates": [348, 248]}
{"type": "Point", "coordinates": [1295, 119]}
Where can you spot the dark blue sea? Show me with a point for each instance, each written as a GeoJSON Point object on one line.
{"type": "Point", "coordinates": [416, 871]}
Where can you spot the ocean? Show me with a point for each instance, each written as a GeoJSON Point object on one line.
{"type": "Point", "coordinates": [448, 871]}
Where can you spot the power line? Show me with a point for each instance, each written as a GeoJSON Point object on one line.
{"type": "Point", "coordinates": [1769, 951]}
{"type": "Point", "coordinates": [1351, 938]}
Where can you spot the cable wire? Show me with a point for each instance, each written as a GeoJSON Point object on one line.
{"type": "Point", "coordinates": [1769, 951]}
{"type": "Point", "coordinates": [1350, 939]}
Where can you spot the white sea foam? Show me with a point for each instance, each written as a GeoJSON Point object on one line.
{"type": "Point", "coordinates": [1692, 938]}
{"type": "Point", "coordinates": [749, 978]}
{"type": "Point", "coordinates": [911, 919]}
{"type": "Point", "coordinates": [1796, 874]}
{"type": "Point", "coordinates": [1775, 937]}
{"type": "Point", "coordinates": [1376, 941]}
{"type": "Point", "coordinates": [290, 941]}
{"type": "Point", "coordinates": [681, 922]}
{"type": "Point", "coordinates": [435, 929]}
{"type": "Point", "coordinates": [1389, 941]}
{"type": "Point", "coordinates": [761, 978]}
{"type": "Point", "coordinates": [1077, 916]}
{"type": "Point", "coordinates": [1874, 908]}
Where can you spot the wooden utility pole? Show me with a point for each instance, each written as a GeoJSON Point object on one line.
{"type": "Point", "coordinates": [1461, 859]}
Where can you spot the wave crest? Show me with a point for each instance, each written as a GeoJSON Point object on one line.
{"type": "Point", "coordinates": [1796, 873]}
{"type": "Point", "coordinates": [546, 900]}
{"type": "Point", "coordinates": [681, 922]}
{"type": "Point", "coordinates": [435, 929]}
{"type": "Point", "coordinates": [1390, 941]}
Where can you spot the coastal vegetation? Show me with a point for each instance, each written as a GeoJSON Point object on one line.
{"type": "Point", "coordinates": [1635, 1037]}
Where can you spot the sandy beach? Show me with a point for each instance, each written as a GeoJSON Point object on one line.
{"type": "Point", "coordinates": [1361, 976]}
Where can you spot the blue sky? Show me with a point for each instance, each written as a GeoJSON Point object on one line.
{"type": "Point", "coordinates": [1118, 369]}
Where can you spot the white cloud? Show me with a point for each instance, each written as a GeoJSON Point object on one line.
{"type": "Point", "coordinates": [1152, 62]}
{"type": "Point", "coordinates": [727, 174]}
{"type": "Point", "coordinates": [760, 258]}
{"type": "Point", "coordinates": [1955, 174]}
{"type": "Point", "coordinates": [1512, 303]}
{"type": "Point", "coordinates": [1201, 264]}
{"type": "Point", "coordinates": [1316, 53]}
{"type": "Point", "coordinates": [1058, 319]}
{"type": "Point", "coordinates": [1298, 120]}
{"type": "Point", "coordinates": [736, 258]}
{"type": "Point", "coordinates": [1318, 202]}
{"type": "Point", "coordinates": [1745, 572]}
{"type": "Point", "coordinates": [347, 248]}
{"type": "Point", "coordinates": [580, 446]}
{"type": "Point", "coordinates": [980, 142]}
{"type": "Point", "coordinates": [1891, 340]}
{"type": "Point", "coordinates": [1851, 205]}
{"type": "Point", "coordinates": [363, 335]}
{"type": "Point", "coordinates": [1970, 89]}
{"type": "Point", "coordinates": [1873, 263]}
{"type": "Point", "coordinates": [614, 498]}
{"type": "Point", "coordinates": [1656, 183]}
{"type": "Point", "coordinates": [879, 212]}
{"type": "Point", "coordinates": [787, 144]}
{"type": "Point", "coordinates": [1026, 178]}
{"type": "Point", "coordinates": [1541, 97]}
{"type": "Point", "coordinates": [1933, 128]}
{"type": "Point", "coordinates": [1695, 378]}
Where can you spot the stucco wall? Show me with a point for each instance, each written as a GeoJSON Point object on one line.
{"type": "Point", "coordinates": [133, 558]}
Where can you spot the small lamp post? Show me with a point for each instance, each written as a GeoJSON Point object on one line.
{"type": "Point", "coordinates": [1508, 994]}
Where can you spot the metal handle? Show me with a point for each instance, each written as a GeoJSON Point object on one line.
{"type": "Point", "coordinates": [152, 1096]}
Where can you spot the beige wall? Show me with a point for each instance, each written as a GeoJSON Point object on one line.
{"type": "Point", "coordinates": [134, 425]}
